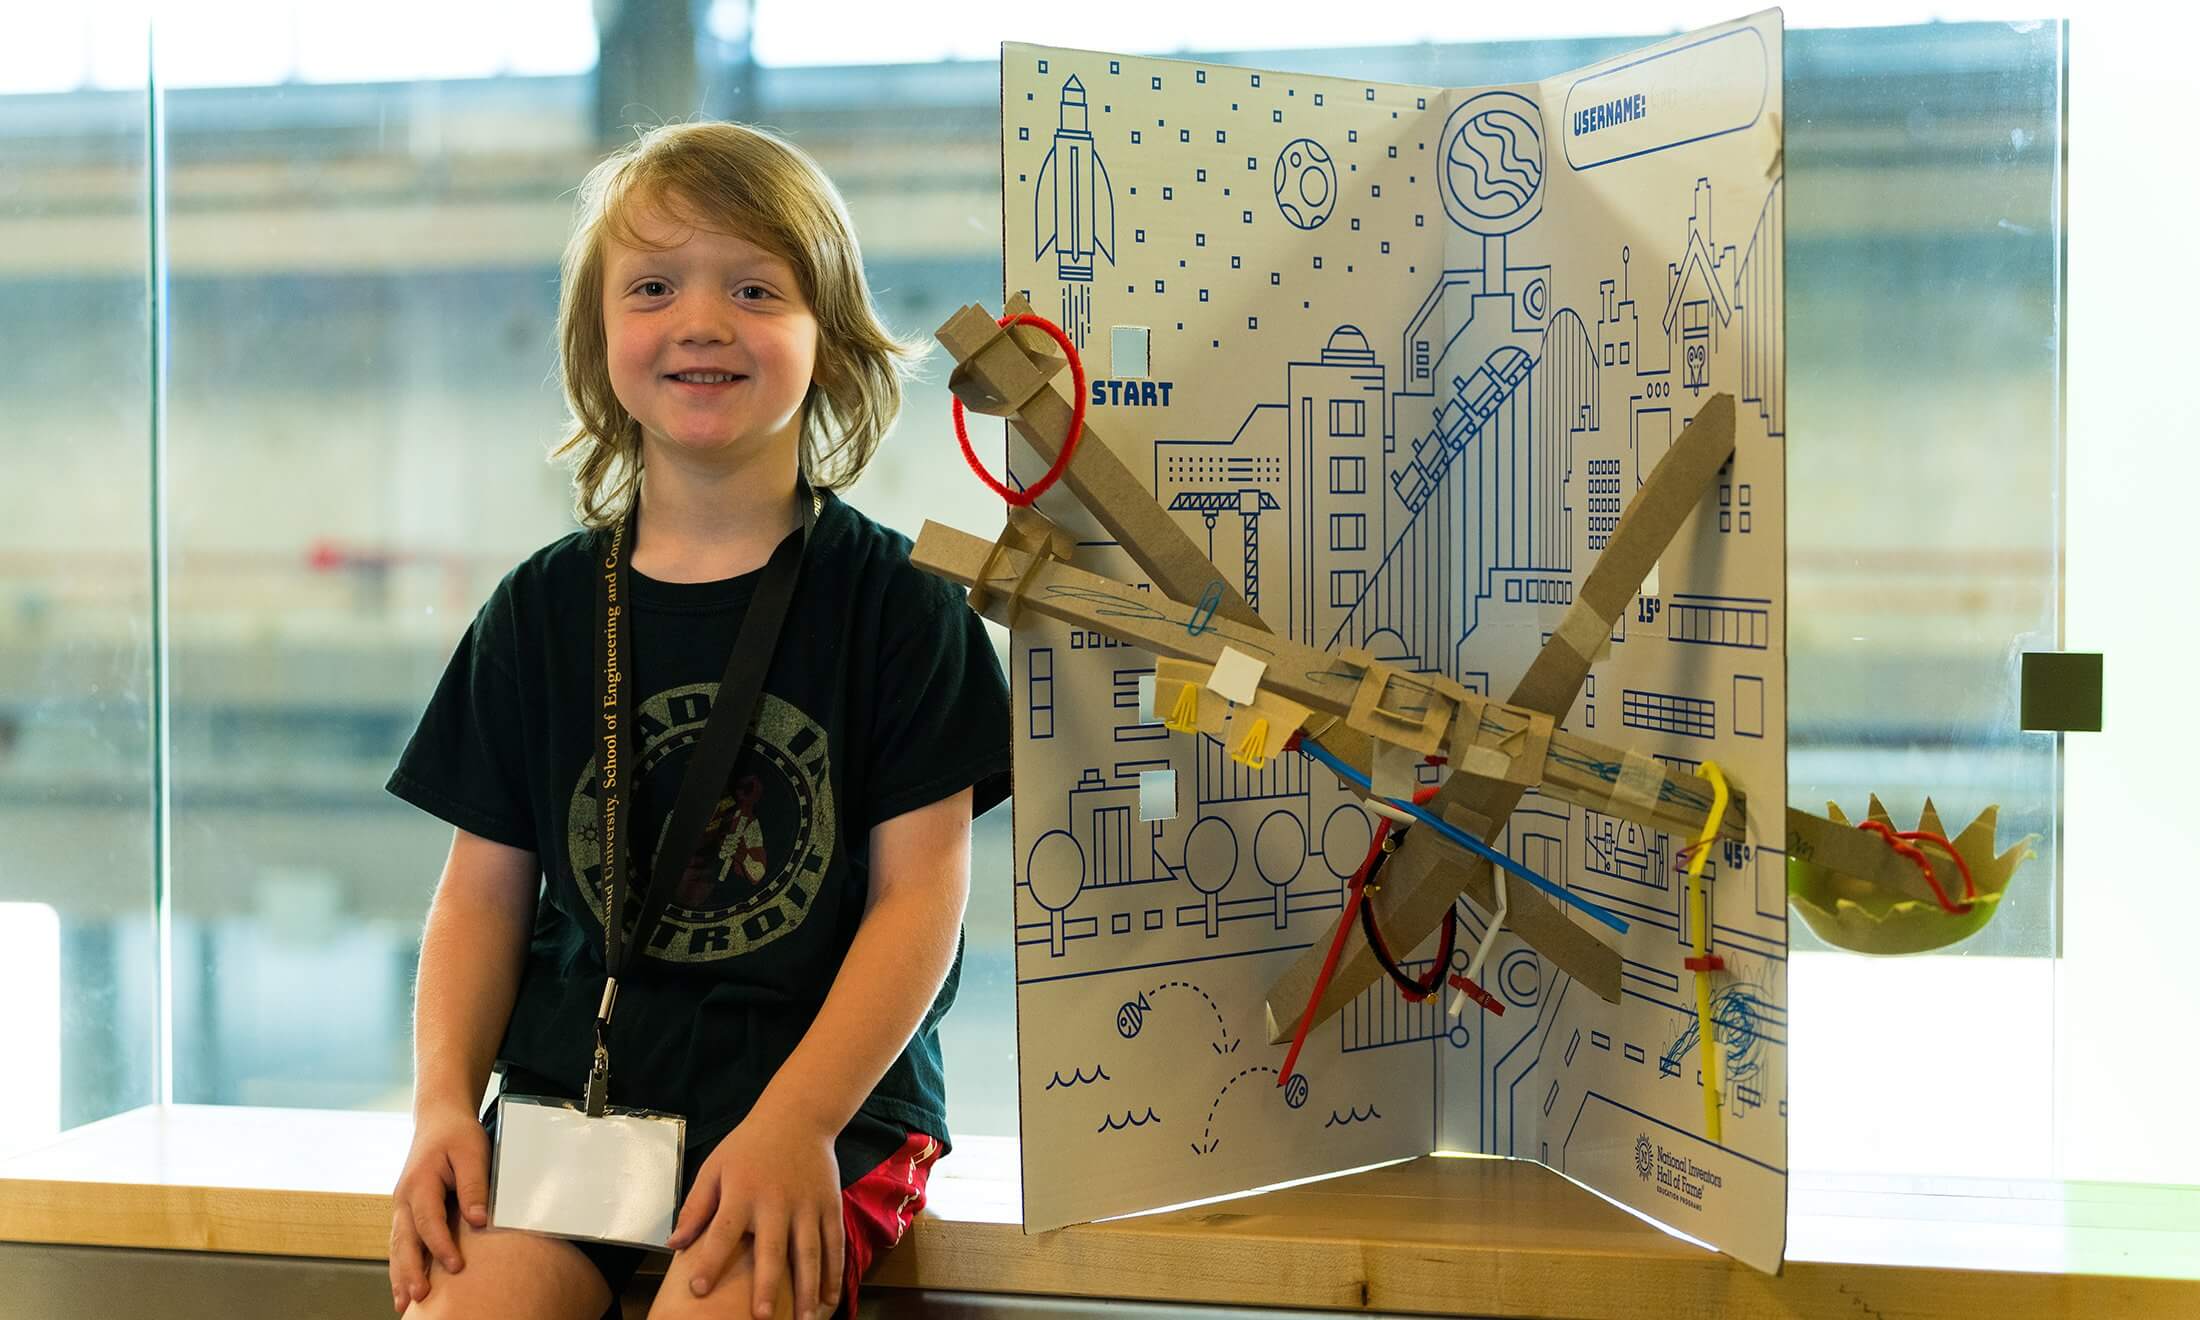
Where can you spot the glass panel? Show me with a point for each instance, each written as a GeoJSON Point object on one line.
{"type": "Point", "coordinates": [1925, 370]}
{"type": "Point", "coordinates": [364, 282]}
{"type": "Point", "coordinates": [1927, 248]}
{"type": "Point", "coordinates": [78, 955]}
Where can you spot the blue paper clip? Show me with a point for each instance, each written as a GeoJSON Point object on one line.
{"type": "Point", "coordinates": [1203, 617]}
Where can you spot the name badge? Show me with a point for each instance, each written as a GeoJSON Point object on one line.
{"type": "Point", "coordinates": [612, 1178]}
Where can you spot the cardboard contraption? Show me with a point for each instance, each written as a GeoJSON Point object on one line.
{"type": "Point", "coordinates": [1422, 387]}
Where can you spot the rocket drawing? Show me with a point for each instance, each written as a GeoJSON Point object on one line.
{"type": "Point", "coordinates": [1074, 183]}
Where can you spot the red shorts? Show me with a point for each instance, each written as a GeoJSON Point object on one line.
{"type": "Point", "coordinates": [876, 1209]}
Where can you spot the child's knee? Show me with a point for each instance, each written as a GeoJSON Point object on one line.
{"type": "Point", "coordinates": [514, 1274]}
{"type": "Point", "coordinates": [731, 1297]}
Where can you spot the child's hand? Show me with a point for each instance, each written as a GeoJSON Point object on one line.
{"type": "Point", "coordinates": [774, 1179]}
{"type": "Point", "coordinates": [450, 1152]}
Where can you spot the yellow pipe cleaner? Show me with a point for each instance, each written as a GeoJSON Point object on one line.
{"type": "Point", "coordinates": [1701, 932]}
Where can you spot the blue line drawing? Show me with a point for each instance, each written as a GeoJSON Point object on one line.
{"type": "Point", "coordinates": [1129, 1120]}
{"type": "Point", "coordinates": [1492, 176]}
{"type": "Point", "coordinates": [1743, 1022]}
{"type": "Point", "coordinates": [1626, 851]}
{"type": "Point", "coordinates": [1130, 1018]}
{"type": "Point", "coordinates": [1353, 1116]}
{"type": "Point", "coordinates": [1305, 184]}
{"type": "Point", "coordinates": [1054, 873]}
{"type": "Point", "coordinates": [1668, 712]}
{"type": "Point", "coordinates": [1078, 1078]}
{"type": "Point", "coordinates": [1605, 500]}
{"type": "Point", "coordinates": [1039, 685]}
{"type": "Point", "coordinates": [1735, 63]}
{"type": "Point", "coordinates": [1279, 855]}
{"type": "Point", "coordinates": [1374, 1021]}
{"type": "Point", "coordinates": [1073, 207]}
{"type": "Point", "coordinates": [1762, 296]}
{"type": "Point", "coordinates": [1208, 1141]}
{"type": "Point", "coordinates": [1719, 621]}
{"type": "Point", "coordinates": [1248, 503]}
{"type": "Point", "coordinates": [1749, 706]}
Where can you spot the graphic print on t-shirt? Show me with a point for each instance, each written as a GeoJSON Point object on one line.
{"type": "Point", "coordinates": [769, 843]}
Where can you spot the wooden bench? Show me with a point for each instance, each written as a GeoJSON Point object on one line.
{"type": "Point", "coordinates": [192, 1198]}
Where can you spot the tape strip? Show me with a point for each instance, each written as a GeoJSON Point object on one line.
{"type": "Point", "coordinates": [1635, 793]}
{"type": "Point", "coordinates": [1502, 742]}
{"type": "Point", "coordinates": [1584, 631]}
{"type": "Point", "coordinates": [1487, 762]}
{"type": "Point", "coordinates": [1534, 749]}
{"type": "Point", "coordinates": [1395, 772]}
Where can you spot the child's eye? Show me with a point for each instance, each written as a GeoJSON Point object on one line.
{"type": "Point", "coordinates": [653, 288]}
{"type": "Point", "coordinates": [752, 292]}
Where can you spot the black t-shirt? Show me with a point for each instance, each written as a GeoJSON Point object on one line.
{"type": "Point", "coordinates": [883, 696]}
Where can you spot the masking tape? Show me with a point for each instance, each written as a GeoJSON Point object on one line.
{"type": "Point", "coordinates": [1487, 762]}
{"type": "Point", "coordinates": [1584, 631]}
{"type": "Point", "coordinates": [1395, 772]}
{"type": "Point", "coordinates": [1529, 760]}
{"type": "Point", "coordinates": [1640, 782]}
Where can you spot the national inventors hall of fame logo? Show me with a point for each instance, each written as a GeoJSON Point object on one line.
{"type": "Point", "coordinates": [769, 843]}
{"type": "Point", "coordinates": [1674, 1175]}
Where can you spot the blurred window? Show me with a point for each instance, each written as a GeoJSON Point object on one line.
{"type": "Point", "coordinates": [362, 229]}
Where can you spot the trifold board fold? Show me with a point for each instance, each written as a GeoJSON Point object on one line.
{"type": "Point", "coordinates": [1398, 358]}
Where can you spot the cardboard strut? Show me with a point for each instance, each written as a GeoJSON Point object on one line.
{"type": "Point", "coordinates": [1572, 768]}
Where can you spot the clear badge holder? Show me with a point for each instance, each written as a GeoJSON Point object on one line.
{"type": "Point", "coordinates": [611, 1178]}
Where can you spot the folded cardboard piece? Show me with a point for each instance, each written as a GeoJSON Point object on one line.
{"type": "Point", "coordinates": [1394, 392]}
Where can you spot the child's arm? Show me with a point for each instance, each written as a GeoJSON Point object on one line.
{"type": "Point", "coordinates": [470, 959]}
{"type": "Point", "coordinates": [471, 955]}
{"type": "Point", "coordinates": [920, 880]}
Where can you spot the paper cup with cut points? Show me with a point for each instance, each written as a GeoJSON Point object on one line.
{"type": "Point", "coordinates": [1852, 913]}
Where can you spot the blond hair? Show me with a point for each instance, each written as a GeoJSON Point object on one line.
{"type": "Point", "coordinates": [727, 178]}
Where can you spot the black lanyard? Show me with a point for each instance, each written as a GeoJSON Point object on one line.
{"type": "Point", "coordinates": [732, 712]}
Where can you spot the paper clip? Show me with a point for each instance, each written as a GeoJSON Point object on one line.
{"type": "Point", "coordinates": [1203, 616]}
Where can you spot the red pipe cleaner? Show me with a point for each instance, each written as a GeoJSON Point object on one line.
{"type": "Point", "coordinates": [1076, 420]}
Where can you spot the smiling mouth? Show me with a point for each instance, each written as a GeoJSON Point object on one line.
{"type": "Point", "coordinates": [705, 377]}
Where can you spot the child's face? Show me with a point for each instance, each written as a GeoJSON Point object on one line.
{"type": "Point", "coordinates": [712, 345]}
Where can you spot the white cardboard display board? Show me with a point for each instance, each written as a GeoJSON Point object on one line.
{"type": "Point", "coordinates": [1397, 357]}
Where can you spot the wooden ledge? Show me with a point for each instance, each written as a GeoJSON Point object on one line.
{"type": "Point", "coordinates": [1462, 1236]}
